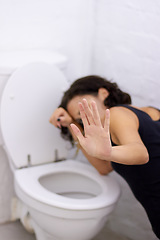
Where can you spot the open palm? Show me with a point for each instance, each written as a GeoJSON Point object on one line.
{"type": "Point", "coordinates": [96, 140]}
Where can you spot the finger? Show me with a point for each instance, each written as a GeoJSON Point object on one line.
{"type": "Point", "coordinates": [77, 132]}
{"type": "Point", "coordinates": [96, 115]}
{"type": "Point", "coordinates": [58, 122]}
{"type": "Point", "coordinates": [107, 120]}
{"type": "Point", "coordinates": [62, 121]}
{"type": "Point", "coordinates": [88, 111]}
{"type": "Point", "coordinates": [83, 115]}
{"type": "Point", "coordinates": [53, 121]}
{"type": "Point", "coordinates": [56, 117]}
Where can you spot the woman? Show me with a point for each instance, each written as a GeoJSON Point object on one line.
{"type": "Point", "coordinates": [115, 135]}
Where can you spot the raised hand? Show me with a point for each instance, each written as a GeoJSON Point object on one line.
{"type": "Point", "coordinates": [96, 140]}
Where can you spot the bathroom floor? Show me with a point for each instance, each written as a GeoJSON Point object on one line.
{"type": "Point", "coordinates": [15, 231]}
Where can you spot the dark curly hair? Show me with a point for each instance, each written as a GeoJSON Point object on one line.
{"type": "Point", "coordinates": [90, 85]}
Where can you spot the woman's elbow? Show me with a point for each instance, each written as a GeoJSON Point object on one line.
{"type": "Point", "coordinates": [105, 171]}
{"type": "Point", "coordinates": [145, 158]}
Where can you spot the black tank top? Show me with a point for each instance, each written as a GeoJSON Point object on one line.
{"type": "Point", "coordinates": [144, 180]}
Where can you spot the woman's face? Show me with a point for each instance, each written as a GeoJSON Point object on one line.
{"type": "Point", "coordinates": [73, 108]}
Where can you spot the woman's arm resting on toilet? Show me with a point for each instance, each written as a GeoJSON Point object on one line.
{"type": "Point", "coordinates": [61, 117]}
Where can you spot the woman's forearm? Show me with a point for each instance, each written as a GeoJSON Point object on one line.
{"type": "Point", "coordinates": [103, 167]}
{"type": "Point", "coordinates": [130, 154]}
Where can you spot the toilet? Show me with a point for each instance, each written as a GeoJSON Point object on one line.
{"type": "Point", "coordinates": [58, 198]}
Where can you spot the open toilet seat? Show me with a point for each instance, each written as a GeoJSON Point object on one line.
{"type": "Point", "coordinates": [28, 100]}
{"type": "Point", "coordinates": [28, 184]}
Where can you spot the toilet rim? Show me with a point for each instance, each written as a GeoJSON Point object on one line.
{"type": "Point", "coordinates": [27, 181]}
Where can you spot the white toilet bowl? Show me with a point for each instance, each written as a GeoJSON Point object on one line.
{"type": "Point", "coordinates": [68, 199]}
{"type": "Point", "coordinates": [64, 200]}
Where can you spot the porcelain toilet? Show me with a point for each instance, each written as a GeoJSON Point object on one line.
{"type": "Point", "coordinates": [58, 198]}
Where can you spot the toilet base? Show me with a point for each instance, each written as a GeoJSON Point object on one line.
{"type": "Point", "coordinates": [42, 235]}
{"type": "Point", "coordinates": [57, 217]}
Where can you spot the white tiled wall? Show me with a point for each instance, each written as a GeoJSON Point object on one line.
{"type": "Point", "coordinates": [127, 51]}
{"type": "Point", "coordinates": [117, 39]}
{"type": "Point", "coordinates": [127, 47]}
{"type": "Point", "coordinates": [61, 25]}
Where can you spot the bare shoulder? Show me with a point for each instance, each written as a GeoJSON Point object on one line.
{"type": "Point", "coordinates": [122, 114]}
{"type": "Point", "coordinates": [154, 113]}
{"type": "Point", "coordinates": [123, 125]}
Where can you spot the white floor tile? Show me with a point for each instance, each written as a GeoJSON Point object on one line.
{"type": "Point", "coordinates": [15, 231]}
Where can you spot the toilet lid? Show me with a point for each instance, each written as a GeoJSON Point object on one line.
{"type": "Point", "coordinates": [30, 96]}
